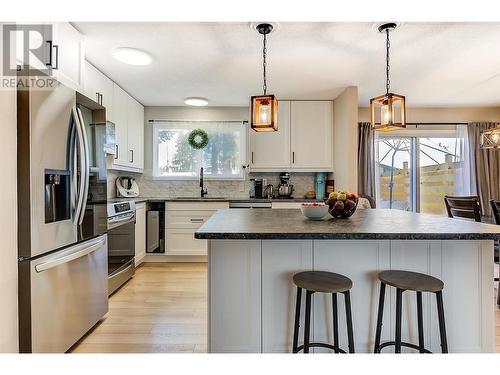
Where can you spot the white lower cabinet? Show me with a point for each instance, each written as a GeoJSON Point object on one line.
{"type": "Point", "coordinates": [140, 233]}
{"type": "Point", "coordinates": [235, 307]}
{"type": "Point", "coordinates": [182, 220]}
{"type": "Point", "coordinates": [284, 205]}
{"type": "Point", "coordinates": [280, 261]}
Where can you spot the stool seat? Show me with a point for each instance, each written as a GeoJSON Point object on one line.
{"type": "Point", "coordinates": [408, 280]}
{"type": "Point", "coordinates": [322, 281]}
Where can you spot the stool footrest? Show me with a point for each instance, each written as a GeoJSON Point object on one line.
{"type": "Point", "coordinates": [405, 344]}
{"type": "Point", "coordinates": [321, 345]}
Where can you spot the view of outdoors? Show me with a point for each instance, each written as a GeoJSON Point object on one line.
{"type": "Point", "coordinates": [221, 157]}
{"type": "Point", "coordinates": [439, 161]}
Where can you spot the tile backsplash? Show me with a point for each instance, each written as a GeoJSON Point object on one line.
{"type": "Point", "coordinates": [149, 187]}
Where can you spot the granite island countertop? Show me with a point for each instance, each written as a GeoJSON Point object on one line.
{"type": "Point", "coordinates": [377, 224]}
{"type": "Point", "coordinates": [210, 199]}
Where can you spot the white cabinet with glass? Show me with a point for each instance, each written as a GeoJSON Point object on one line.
{"type": "Point", "coordinates": [303, 142]}
{"type": "Point", "coordinates": [128, 115]}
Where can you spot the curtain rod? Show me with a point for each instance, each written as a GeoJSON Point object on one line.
{"type": "Point", "coordinates": [161, 120]}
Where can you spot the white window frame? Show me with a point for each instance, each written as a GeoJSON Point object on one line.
{"type": "Point", "coordinates": [166, 124]}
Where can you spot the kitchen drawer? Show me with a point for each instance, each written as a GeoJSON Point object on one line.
{"type": "Point", "coordinates": [186, 219]}
{"type": "Point", "coordinates": [195, 206]}
{"type": "Point", "coordinates": [182, 242]}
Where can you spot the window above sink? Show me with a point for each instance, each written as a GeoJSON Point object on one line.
{"type": "Point", "coordinates": [222, 159]}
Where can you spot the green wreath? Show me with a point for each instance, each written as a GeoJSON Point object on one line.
{"type": "Point", "coordinates": [198, 139]}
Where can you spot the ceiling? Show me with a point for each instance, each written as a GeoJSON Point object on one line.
{"type": "Point", "coordinates": [433, 64]}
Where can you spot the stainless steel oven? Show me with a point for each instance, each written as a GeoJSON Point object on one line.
{"type": "Point", "coordinates": [121, 243]}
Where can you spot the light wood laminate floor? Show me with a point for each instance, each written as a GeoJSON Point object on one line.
{"type": "Point", "coordinates": [163, 309]}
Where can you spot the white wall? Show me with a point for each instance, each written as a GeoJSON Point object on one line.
{"type": "Point", "coordinates": [451, 114]}
{"type": "Point", "coordinates": [345, 141]}
{"type": "Point", "coordinates": [8, 224]}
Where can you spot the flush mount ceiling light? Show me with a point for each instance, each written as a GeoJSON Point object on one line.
{"type": "Point", "coordinates": [392, 107]}
{"type": "Point", "coordinates": [197, 102]}
{"type": "Point", "coordinates": [264, 107]}
{"type": "Point", "coordinates": [490, 139]}
{"type": "Point", "coordinates": [132, 56]}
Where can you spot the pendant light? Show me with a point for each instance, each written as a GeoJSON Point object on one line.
{"type": "Point", "coordinates": [490, 139]}
{"type": "Point", "coordinates": [391, 107]}
{"type": "Point", "coordinates": [264, 108]}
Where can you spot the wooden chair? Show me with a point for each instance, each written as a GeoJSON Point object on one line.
{"type": "Point", "coordinates": [467, 207]}
{"type": "Point", "coordinates": [495, 208]}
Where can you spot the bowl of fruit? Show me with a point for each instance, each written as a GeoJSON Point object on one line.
{"type": "Point", "coordinates": [314, 211]}
{"type": "Point", "coordinates": [342, 204]}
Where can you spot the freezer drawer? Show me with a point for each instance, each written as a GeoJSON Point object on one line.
{"type": "Point", "coordinates": [69, 294]}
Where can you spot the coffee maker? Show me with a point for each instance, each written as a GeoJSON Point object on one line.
{"type": "Point", "coordinates": [285, 189]}
{"type": "Point", "coordinates": [258, 187]}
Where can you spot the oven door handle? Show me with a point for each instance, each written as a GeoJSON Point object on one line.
{"type": "Point", "coordinates": [113, 223]}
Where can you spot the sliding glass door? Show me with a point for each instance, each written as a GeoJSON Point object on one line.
{"type": "Point", "coordinates": [415, 172]}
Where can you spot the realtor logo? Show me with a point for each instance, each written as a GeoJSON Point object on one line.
{"type": "Point", "coordinates": [28, 46]}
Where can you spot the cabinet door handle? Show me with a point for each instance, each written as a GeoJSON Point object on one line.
{"type": "Point", "coordinates": [293, 157]}
{"type": "Point", "coordinates": [116, 153]}
{"type": "Point", "coordinates": [252, 157]}
{"type": "Point", "coordinates": [196, 220]}
{"type": "Point", "coordinates": [132, 156]}
{"type": "Point", "coordinates": [100, 99]}
{"type": "Point", "coordinates": [50, 53]}
{"type": "Point", "coordinates": [56, 47]}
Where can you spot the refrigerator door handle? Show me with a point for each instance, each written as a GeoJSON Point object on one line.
{"type": "Point", "coordinates": [83, 167]}
{"type": "Point", "coordinates": [86, 175]}
{"type": "Point", "coordinates": [76, 252]}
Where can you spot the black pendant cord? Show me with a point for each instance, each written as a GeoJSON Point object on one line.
{"type": "Point", "coordinates": [264, 55]}
{"type": "Point", "coordinates": [387, 46]}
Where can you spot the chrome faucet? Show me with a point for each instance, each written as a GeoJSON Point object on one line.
{"type": "Point", "coordinates": [203, 191]}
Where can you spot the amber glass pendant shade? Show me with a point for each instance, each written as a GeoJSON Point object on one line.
{"type": "Point", "coordinates": [264, 113]}
{"type": "Point", "coordinates": [388, 112]}
{"type": "Point", "coordinates": [490, 139]}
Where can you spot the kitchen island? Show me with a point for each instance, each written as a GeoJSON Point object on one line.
{"type": "Point", "coordinates": [253, 254]}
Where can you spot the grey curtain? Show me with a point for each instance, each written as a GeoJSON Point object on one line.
{"type": "Point", "coordinates": [366, 160]}
{"type": "Point", "coordinates": [485, 166]}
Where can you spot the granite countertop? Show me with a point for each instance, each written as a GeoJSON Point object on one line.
{"type": "Point", "coordinates": [209, 199]}
{"type": "Point", "coordinates": [378, 224]}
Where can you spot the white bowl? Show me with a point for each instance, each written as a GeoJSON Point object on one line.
{"type": "Point", "coordinates": [314, 212]}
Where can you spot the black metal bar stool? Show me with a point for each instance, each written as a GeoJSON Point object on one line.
{"type": "Point", "coordinates": [322, 282]}
{"type": "Point", "coordinates": [418, 282]}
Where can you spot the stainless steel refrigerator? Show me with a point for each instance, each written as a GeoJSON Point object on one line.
{"type": "Point", "coordinates": [62, 218]}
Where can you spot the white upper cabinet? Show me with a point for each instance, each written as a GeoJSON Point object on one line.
{"type": "Point", "coordinates": [135, 127]}
{"type": "Point", "coordinates": [120, 101]}
{"type": "Point", "coordinates": [271, 150]}
{"type": "Point", "coordinates": [303, 142]}
{"type": "Point", "coordinates": [68, 55]}
{"type": "Point", "coordinates": [128, 116]}
{"type": "Point", "coordinates": [312, 135]}
{"type": "Point", "coordinates": [98, 87]}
